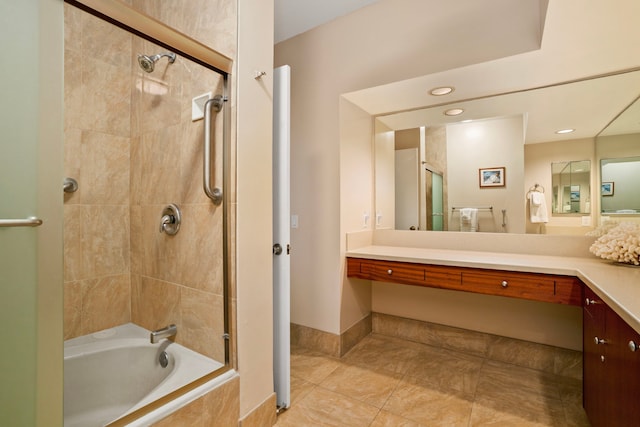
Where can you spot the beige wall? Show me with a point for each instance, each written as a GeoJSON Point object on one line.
{"type": "Point", "coordinates": [326, 62]}
{"type": "Point", "coordinates": [348, 54]}
{"type": "Point", "coordinates": [356, 179]}
{"type": "Point", "coordinates": [254, 270]}
{"type": "Point", "coordinates": [487, 144]}
{"type": "Point", "coordinates": [538, 159]}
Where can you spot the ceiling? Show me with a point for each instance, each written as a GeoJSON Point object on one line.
{"type": "Point", "coordinates": [293, 17]}
{"type": "Point", "coordinates": [587, 106]}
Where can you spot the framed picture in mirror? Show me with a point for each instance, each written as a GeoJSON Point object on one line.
{"type": "Point", "coordinates": [492, 177]}
{"type": "Point", "coordinates": [607, 188]}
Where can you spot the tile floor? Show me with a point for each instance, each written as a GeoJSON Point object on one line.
{"type": "Point", "coordinates": [385, 381]}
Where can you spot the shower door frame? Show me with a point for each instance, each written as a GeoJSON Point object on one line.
{"type": "Point", "coordinates": [150, 29]}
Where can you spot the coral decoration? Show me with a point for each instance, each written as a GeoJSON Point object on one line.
{"type": "Point", "coordinates": [620, 243]}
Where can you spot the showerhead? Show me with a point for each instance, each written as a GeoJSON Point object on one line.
{"type": "Point", "coordinates": [147, 63]}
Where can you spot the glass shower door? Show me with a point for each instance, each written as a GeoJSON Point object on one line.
{"type": "Point", "coordinates": [437, 202]}
{"type": "Point", "coordinates": [28, 384]}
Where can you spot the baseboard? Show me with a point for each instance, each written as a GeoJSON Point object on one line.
{"type": "Point", "coordinates": [541, 357]}
{"type": "Point", "coordinates": [327, 343]}
{"type": "Point", "coordinates": [263, 415]}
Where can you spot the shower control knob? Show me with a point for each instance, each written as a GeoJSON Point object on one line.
{"type": "Point", "coordinates": [171, 219]}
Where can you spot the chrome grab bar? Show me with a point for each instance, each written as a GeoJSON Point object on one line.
{"type": "Point", "coordinates": [32, 221]}
{"type": "Point", "coordinates": [214, 194]}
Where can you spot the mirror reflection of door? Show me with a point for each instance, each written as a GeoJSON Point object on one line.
{"type": "Point", "coordinates": [436, 203]}
{"type": "Point", "coordinates": [406, 188]}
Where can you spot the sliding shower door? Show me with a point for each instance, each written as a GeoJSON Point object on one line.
{"type": "Point", "coordinates": [31, 255]}
{"type": "Point", "coordinates": [134, 142]}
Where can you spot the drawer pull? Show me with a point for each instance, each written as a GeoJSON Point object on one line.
{"type": "Point", "coordinates": [633, 346]}
{"type": "Point", "coordinates": [588, 301]}
{"type": "Point", "coordinates": [504, 283]}
{"type": "Point", "coordinates": [599, 340]}
{"type": "Point", "coordinates": [389, 272]}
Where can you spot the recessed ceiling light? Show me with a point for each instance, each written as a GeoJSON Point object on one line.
{"type": "Point", "coordinates": [454, 112]}
{"type": "Point", "coordinates": [439, 91]}
{"type": "Point", "coordinates": [565, 131]}
{"type": "Point", "coordinates": [466, 121]}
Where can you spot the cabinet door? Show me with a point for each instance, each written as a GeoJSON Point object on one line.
{"type": "Point", "coordinates": [622, 372]}
{"type": "Point", "coordinates": [594, 395]}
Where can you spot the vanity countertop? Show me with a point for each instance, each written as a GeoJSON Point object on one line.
{"type": "Point", "coordinates": [617, 285]}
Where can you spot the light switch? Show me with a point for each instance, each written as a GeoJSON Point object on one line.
{"type": "Point", "coordinates": [294, 221]}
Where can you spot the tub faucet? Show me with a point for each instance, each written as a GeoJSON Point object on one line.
{"type": "Point", "coordinates": [158, 334]}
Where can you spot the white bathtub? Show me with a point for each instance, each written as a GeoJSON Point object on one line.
{"type": "Point", "coordinates": [116, 371]}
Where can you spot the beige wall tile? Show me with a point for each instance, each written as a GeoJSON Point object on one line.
{"type": "Point", "coordinates": [106, 302]}
{"type": "Point", "coordinates": [155, 304]}
{"type": "Point", "coordinates": [105, 240]}
{"type": "Point", "coordinates": [73, 260]}
{"type": "Point", "coordinates": [106, 97]}
{"type": "Point", "coordinates": [263, 415]}
{"type": "Point", "coordinates": [105, 169]}
{"type": "Point", "coordinates": [72, 91]}
{"type": "Point", "coordinates": [72, 310]}
{"type": "Point", "coordinates": [202, 325]}
{"type": "Point", "coordinates": [73, 162]}
{"type": "Point", "coordinates": [103, 40]}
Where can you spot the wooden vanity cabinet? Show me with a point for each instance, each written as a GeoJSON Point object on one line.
{"type": "Point", "coordinates": [611, 366]}
{"type": "Point", "coordinates": [532, 286]}
{"type": "Point", "coordinates": [404, 273]}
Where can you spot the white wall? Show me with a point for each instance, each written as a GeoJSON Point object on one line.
{"type": "Point", "coordinates": [487, 144]}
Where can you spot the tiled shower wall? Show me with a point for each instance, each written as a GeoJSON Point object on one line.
{"type": "Point", "coordinates": [131, 144]}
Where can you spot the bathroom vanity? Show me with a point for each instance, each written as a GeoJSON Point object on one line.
{"type": "Point", "coordinates": [608, 294]}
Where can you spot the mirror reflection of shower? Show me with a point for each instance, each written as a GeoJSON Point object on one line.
{"type": "Point", "coordinates": [147, 62]}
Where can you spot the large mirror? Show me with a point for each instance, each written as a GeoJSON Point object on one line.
{"type": "Point", "coordinates": [618, 149]}
{"type": "Point", "coordinates": [571, 184]}
{"type": "Point", "coordinates": [511, 135]}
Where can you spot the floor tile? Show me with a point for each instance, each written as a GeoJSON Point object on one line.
{"type": "Point", "coordinates": [312, 366]}
{"type": "Point", "coordinates": [390, 382]}
{"type": "Point", "coordinates": [322, 407]}
{"type": "Point", "coordinates": [387, 419]}
{"type": "Point", "coordinates": [419, 401]}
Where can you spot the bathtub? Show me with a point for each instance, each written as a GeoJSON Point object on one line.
{"type": "Point", "coordinates": [112, 373]}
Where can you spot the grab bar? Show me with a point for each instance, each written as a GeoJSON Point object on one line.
{"type": "Point", "coordinates": [32, 221]}
{"type": "Point", "coordinates": [214, 194]}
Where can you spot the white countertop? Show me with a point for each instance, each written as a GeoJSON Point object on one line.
{"type": "Point", "coordinates": [617, 285]}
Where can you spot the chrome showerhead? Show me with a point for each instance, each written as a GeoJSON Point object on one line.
{"type": "Point", "coordinates": [147, 63]}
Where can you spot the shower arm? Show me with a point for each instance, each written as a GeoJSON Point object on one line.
{"type": "Point", "coordinates": [214, 194]}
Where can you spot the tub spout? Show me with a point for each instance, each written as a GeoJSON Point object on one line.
{"type": "Point", "coordinates": [167, 332]}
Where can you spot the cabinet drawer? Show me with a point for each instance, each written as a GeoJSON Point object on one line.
{"type": "Point", "coordinates": [510, 284]}
{"type": "Point", "coordinates": [568, 290]}
{"type": "Point", "coordinates": [360, 268]}
{"type": "Point", "coordinates": [405, 273]}
{"type": "Point", "coordinates": [399, 272]}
